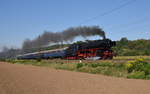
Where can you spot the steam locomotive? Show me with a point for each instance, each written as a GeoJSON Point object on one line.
{"type": "Point", "coordinates": [96, 49]}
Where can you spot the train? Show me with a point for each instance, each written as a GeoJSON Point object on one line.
{"type": "Point", "coordinates": [91, 49]}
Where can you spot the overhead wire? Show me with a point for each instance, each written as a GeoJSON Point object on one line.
{"type": "Point", "coordinates": [108, 12]}
{"type": "Point", "coordinates": [129, 24]}
{"type": "Point", "coordinates": [113, 10]}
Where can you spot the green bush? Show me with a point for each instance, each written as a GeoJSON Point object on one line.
{"type": "Point", "coordinates": [106, 64]}
{"type": "Point", "coordinates": [138, 69]}
{"type": "Point", "coordinates": [86, 69]}
{"type": "Point", "coordinates": [137, 75]}
{"type": "Point", "coordinates": [147, 76]}
{"type": "Point", "coordinates": [93, 65]}
{"type": "Point", "coordinates": [79, 65]}
{"type": "Point", "coordinates": [103, 64]}
{"type": "Point", "coordinates": [38, 60]}
{"type": "Point", "coordinates": [64, 66]}
{"type": "Point", "coordinates": [1, 59]}
{"type": "Point", "coordinates": [137, 65]}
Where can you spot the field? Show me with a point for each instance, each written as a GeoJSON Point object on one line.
{"type": "Point", "coordinates": [28, 79]}
{"type": "Point", "coordinates": [137, 67]}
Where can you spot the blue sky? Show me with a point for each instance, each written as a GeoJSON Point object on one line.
{"type": "Point", "coordinates": [21, 19]}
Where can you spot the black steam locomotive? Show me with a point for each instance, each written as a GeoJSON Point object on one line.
{"type": "Point", "coordinates": [96, 49]}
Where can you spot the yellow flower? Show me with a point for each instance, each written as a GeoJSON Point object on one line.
{"type": "Point", "coordinates": [131, 62]}
{"type": "Point", "coordinates": [129, 65]}
{"type": "Point", "coordinates": [140, 59]}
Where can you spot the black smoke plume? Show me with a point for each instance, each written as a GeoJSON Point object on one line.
{"type": "Point", "coordinates": [67, 35]}
{"type": "Point", "coordinates": [85, 31]}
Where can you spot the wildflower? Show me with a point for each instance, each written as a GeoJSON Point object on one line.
{"type": "Point", "coordinates": [129, 65]}
{"type": "Point", "coordinates": [140, 60]}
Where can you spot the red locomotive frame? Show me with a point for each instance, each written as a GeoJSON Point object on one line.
{"type": "Point", "coordinates": [93, 52]}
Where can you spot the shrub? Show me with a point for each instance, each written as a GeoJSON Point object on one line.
{"type": "Point", "coordinates": [137, 75]}
{"type": "Point", "coordinates": [138, 69]}
{"type": "Point", "coordinates": [146, 69]}
{"type": "Point", "coordinates": [106, 64]}
{"type": "Point", "coordinates": [137, 65]}
{"type": "Point", "coordinates": [2, 59]}
{"type": "Point", "coordinates": [103, 64]}
{"type": "Point", "coordinates": [79, 65]}
{"type": "Point", "coordinates": [71, 67]}
{"type": "Point", "coordinates": [93, 65]}
{"type": "Point", "coordinates": [38, 60]}
{"type": "Point", "coordinates": [108, 72]}
{"type": "Point", "coordinates": [147, 76]}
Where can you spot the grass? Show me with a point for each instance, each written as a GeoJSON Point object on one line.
{"type": "Point", "coordinates": [105, 68]}
{"type": "Point", "coordinates": [131, 57]}
{"type": "Point", "coordinates": [137, 68]}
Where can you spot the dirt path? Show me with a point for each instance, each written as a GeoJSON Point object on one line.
{"type": "Point", "coordinates": [25, 79]}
